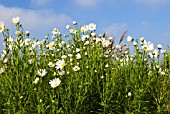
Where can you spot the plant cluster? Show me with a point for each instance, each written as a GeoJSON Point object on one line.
{"type": "Point", "coordinates": [86, 74]}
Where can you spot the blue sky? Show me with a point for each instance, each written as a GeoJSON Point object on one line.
{"type": "Point", "coordinates": [142, 18]}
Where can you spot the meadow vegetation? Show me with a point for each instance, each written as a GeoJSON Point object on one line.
{"type": "Point", "coordinates": [86, 74]}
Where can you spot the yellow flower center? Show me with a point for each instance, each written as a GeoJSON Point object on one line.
{"type": "Point", "coordinates": [145, 48]}
{"type": "Point", "coordinates": [50, 47]}
{"type": "Point", "coordinates": [55, 30]}
{"type": "Point", "coordinates": [91, 27]}
{"type": "Point", "coordinates": [1, 27]}
{"type": "Point", "coordinates": [83, 29]}
{"type": "Point", "coordinates": [63, 65]}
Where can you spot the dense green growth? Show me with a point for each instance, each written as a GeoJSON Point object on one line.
{"type": "Point", "coordinates": [87, 74]}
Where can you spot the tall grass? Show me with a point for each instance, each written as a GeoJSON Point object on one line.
{"type": "Point", "coordinates": [97, 76]}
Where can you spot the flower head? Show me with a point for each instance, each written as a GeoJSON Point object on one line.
{"type": "Point", "coordinates": [1, 26]}
{"type": "Point", "coordinates": [68, 27]}
{"type": "Point", "coordinates": [78, 56]}
{"type": "Point", "coordinates": [74, 23]}
{"type": "Point", "coordinates": [147, 46]}
{"type": "Point", "coordinates": [16, 20]}
{"type": "Point", "coordinates": [129, 39]}
{"type": "Point", "coordinates": [55, 31]}
{"type": "Point", "coordinates": [60, 64]}
{"type": "Point", "coordinates": [51, 64]}
{"type": "Point", "coordinates": [83, 29]}
{"type": "Point", "coordinates": [142, 40]}
{"type": "Point", "coordinates": [36, 80]}
{"type": "Point", "coordinates": [153, 53]}
{"type": "Point", "coordinates": [72, 31]}
{"type": "Point", "coordinates": [42, 72]}
{"type": "Point", "coordinates": [50, 46]}
{"type": "Point", "coordinates": [163, 51]}
{"type": "Point", "coordinates": [129, 94]}
{"type": "Point", "coordinates": [55, 82]}
{"type": "Point", "coordinates": [1, 70]}
{"type": "Point", "coordinates": [18, 33]}
{"type": "Point", "coordinates": [27, 33]}
{"type": "Point", "coordinates": [159, 46]}
{"type": "Point", "coordinates": [105, 43]}
{"type": "Point", "coordinates": [76, 68]}
{"type": "Point", "coordinates": [92, 26]}
{"type": "Point", "coordinates": [61, 73]}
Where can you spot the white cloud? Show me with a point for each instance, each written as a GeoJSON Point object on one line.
{"type": "Point", "coordinates": [151, 2]}
{"type": "Point", "coordinates": [87, 3]}
{"type": "Point", "coordinates": [40, 2]}
{"type": "Point", "coordinates": [33, 19]}
{"type": "Point", "coordinates": [115, 29]}
{"type": "Point", "coordinates": [38, 22]}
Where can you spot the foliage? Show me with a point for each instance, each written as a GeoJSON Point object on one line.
{"type": "Point", "coordinates": [86, 74]}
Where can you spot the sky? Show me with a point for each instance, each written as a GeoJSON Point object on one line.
{"type": "Point", "coordinates": [142, 18]}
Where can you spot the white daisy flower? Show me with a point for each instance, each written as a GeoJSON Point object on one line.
{"type": "Point", "coordinates": [93, 34]}
{"type": "Point", "coordinates": [76, 68]}
{"type": "Point", "coordinates": [1, 26]}
{"type": "Point", "coordinates": [129, 39]}
{"type": "Point", "coordinates": [72, 31]}
{"type": "Point", "coordinates": [16, 20]}
{"type": "Point", "coordinates": [63, 56]}
{"type": "Point", "coordinates": [55, 31]}
{"type": "Point", "coordinates": [86, 43]}
{"type": "Point", "coordinates": [105, 43]}
{"type": "Point", "coordinates": [98, 40]}
{"type": "Point", "coordinates": [83, 29]}
{"type": "Point", "coordinates": [74, 23]}
{"type": "Point", "coordinates": [68, 27]}
{"type": "Point", "coordinates": [55, 82]}
{"type": "Point", "coordinates": [106, 65]}
{"type": "Point", "coordinates": [92, 26]}
{"type": "Point", "coordinates": [2, 70]}
{"type": "Point", "coordinates": [27, 41]}
{"type": "Point", "coordinates": [142, 40]}
{"type": "Point", "coordinates": [27, 33]}
{"type": "Point", "coordinates": [129, 94]}
{"type": "Point", "coordinates": [162, 73]}
{"type": "Point", "coordinates": [153, 53]}
{"type": "Point", "coordinates": [159, 46]}
{"type": "Point", "coordinates": [147, 46]}
{"type": "Point", "coordinates": [30, 61]}
{"type": "Point", "coordinates": [18, 33]}
{"type": "Point", "coordinates": [61, 73]}
{"type": "Point", "coordinates": [5, 60]}
{"type": "Point", "coordinates": [36, 80]}
{"type": "Point", "coordinates": [135, 43]}
{"type": "Point", "coordinates": [60, 64]}
{"type": "Point", "coordinates": [77, 50]}
{"type": "Point", "coordinates": [51, 64]}
{"type": "Point", "coordinates": [41, 72]}
{"type": "Point", "coordinates": [78, 56]}
{"type": "Point", "coordinates": [163, 51]}
{"type": "Point", "coordinates": [50, 46]}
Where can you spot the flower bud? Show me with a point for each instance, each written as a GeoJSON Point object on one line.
{"type": "Point", "coordinates": [18, 33]}
{"type": "Point", "coordinates": [27, 33]}
{"type": "Point", "coordinates": [74, 23]}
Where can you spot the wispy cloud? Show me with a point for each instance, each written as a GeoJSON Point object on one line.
{"type": "Point", "coordinates": [38, 22]}
{"type": "Point", "coordinates": [87, 3]}
{"type": "Point", "coordinates": [152, 2]}
{"type": "Point", "coordinates": [40, 2]}
{"type": "Point", "coordinates": [33, 19]}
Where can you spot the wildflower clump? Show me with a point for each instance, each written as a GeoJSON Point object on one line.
{"type": "Point", "coordinates": [82, 72]}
